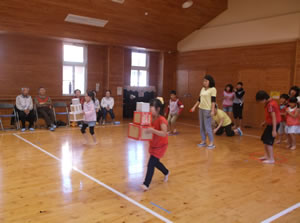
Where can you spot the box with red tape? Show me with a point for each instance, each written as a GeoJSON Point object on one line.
{"type": "Point", "coordinates": [142, 118]}
{"type": "Point", "coordinates": [138, 132]}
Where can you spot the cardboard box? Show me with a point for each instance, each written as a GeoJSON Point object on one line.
{"type": "Point", "coordinates": [142, 107]}
{"type": "Point", "coordinates": [142, 118]}
{"type": "Point", "coordinates": [76, 116]}
{"type": "Point", "coordinates": [137, 132]}
{"type": "Point", "coordinates": [75, 101]}
{"type": "Point", "coordinates": [76, 108]}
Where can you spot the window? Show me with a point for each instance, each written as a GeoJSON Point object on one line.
{"type": "Point", "coordinates": [74, 68]}
{"type": "Point", "coordinates": [139, 69]}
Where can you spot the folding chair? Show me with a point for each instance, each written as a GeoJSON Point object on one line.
{"type": "Point", "coordinates": [14, 115]}
{"type": "Point", "coordinates": [61, 105]}
{"type": "Point", "coordinates": [37, 116]}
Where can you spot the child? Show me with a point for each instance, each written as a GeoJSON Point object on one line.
{"type": "Point", "coordinates": [294, 92]}
{"type": "Point", "coordinates": [159, 143]}
{"type": "Point", "coordinates": [238, 105]}
{"type": "Point", "coordinates": [228, 100]}
{"type": "Point", "coordinates": [173, 111]}
{"type": "Point", "coordinates": [89, 116]}
{"type": "Point", "coordinates": [292, 123]}
{"type": "Point", "coordinates": [98, 108]}
{"type": "Point", "coordinates": [224, 123]}
{"type": "Point", "coordinates": [273, 118]}
{"type": "Point", "coordinates": [283, 106]}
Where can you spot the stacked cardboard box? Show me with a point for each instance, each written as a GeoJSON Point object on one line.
{"type": "Point", "coordinates": [76, 113]}
{"type": "Point", "coordinates": [142, 120]}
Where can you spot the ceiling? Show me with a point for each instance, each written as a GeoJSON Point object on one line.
{"type": "Point", "coordinates": [166, 23]}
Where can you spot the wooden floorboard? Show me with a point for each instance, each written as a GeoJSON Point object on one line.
{"type": "Point", "coordinates": [227, 184]}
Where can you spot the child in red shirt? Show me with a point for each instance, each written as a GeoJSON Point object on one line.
{"type": "Point", "coordinates": [159, 143]}
{"type": "Point", "coordinates": [273, 119]}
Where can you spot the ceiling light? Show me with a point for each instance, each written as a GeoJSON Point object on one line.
{"type": "Point", "coordinates": [118, 1]}
{"type": "Point", "coordinates": [187, 4]}
{"type": "Point", "coordinates": [85, 20]}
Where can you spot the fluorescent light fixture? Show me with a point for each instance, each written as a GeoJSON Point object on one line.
{"type": "Point", "coordinates": [85, 20]}
{"type": "Point", "coordinates": [118, 1]}
{"type": "Point", "coordinates": [187, 4]}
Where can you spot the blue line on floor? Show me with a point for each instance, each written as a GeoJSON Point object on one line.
{"type": "Point", "coordinates": [169, 212]}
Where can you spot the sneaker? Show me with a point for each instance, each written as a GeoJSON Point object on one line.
{"type": "Point", "coordinates": [201, 145]}
{"type": "Point", "coordinates": [167, 177]}
{"type": "Point", "coordinates": [23, 130]}
{"type": "Point", "coordinates": [239, 131]}
{"type": "Point", "coordinates": [144, 187]}
{"type": "Point", "coordinates": [51, 129]}
{"type": "Point", "coordinates": [31, 129]}
{"type": "Point", "coordinates": [211, 147]}
{"type": "Point", "coordinates": [54, 126]}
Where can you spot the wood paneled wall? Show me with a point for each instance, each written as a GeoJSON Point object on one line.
{"type": "Point", "coordinates": [34, 62]}
{"type": "Point", "coordinates": [115, 76]}
{"type": "Point", "coordinates": [297, 64]}
{"type": "Point", "coordinates": [166, 80]}
{"type": "Point", "coordinates": [268, 67]}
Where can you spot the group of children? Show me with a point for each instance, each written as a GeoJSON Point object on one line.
{"type": "Point", "coordinates": [290, 117]}
{"type": "Point", "coordinates": [283, 118]}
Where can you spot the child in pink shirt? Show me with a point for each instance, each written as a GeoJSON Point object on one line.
{"type": "Point", "coordinates": [228, 100]}
{"type": "Point", "coordinates": [89, 116]}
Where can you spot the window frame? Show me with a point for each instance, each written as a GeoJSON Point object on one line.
{"type": "Point", "coordinates": [74, 64]}
{"type": "Point", "coordinates": [138, 68]}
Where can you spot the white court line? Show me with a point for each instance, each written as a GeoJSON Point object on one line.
{"type": "Point", "coordinates": [99, 182]}
{"type": "Point", "coordinates": [280, 214]}
{"type": "Point", "coordinates": [61, 129]}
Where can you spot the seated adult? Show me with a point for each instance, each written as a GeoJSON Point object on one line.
{"type": "Point", "coordinates": [98, 108]}
{"type": "Point", "coordinates": [107, 103]}
{"type": "Point", "coordinates": [24, 109]}
{"type": "Point", "coordinates": [44, 108]}
{"type": "Point", "coordinates": [77, 93]}
{"type": "Point", "coordinates": [224, 122]}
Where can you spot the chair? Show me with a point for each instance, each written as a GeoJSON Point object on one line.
{"type": "Point", "coordinates": [13, 115]}
{"type": "Point", "coordinates": [61, 105]}
{"type": "Point", "coordinates": [37, 116]}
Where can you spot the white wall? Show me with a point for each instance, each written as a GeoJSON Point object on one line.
{"type": "Point", "coordinates": [248, 22]}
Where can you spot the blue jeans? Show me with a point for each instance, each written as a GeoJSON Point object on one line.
{"type": "Point", "coordinates": [111, 112]}
{"type": "Point", "coordinates": [205, 120]}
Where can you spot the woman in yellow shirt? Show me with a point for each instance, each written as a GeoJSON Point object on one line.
{"type": "Point", "coordinates": [224, 123]}
{"type": "Point", "coordinates": [206, 104]}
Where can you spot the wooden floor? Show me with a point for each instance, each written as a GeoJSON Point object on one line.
{"type": "Point", "coordinates": [228, 184]}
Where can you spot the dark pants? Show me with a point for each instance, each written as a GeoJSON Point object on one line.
{"type": "Point", "coordinates": [228, 130]}
{"type": "Point", "coordinates": [23, 118]}
{"type": "Point", "coordinates": [99, 115]}
{"type": "Point", "coordinates": [154, 162]}
{"type": "Point", "coordinates": [47, 114]}
{"type": "Point", "coordinates": [111, 112]}
{"type": "Point", "coordinates": [84, 126]}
